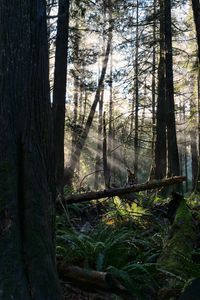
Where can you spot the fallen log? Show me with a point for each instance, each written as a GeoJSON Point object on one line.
{"type": "Point", "coordinates": [93, 281]}
{"type": "Point", "coordinates": [155, 184]}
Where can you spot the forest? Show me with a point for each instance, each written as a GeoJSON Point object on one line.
{"type": "Point", "coordinates": [100, 149]}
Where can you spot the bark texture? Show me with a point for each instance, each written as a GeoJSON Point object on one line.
{"type": "Point", "coordinates": [27, 260]}
{"type": "Point", "coordinates": [59, 90]}
{"type": "Point", "coordinates": [160, 145]}
{"type": "Point", "coordinates": [173, 156]}
{"type": "Point", "coordinates": [92, 280]}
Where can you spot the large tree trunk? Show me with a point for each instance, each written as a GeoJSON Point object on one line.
{"type": "Point", "coordinates": [27, 260]}
{"type": "Point", "coordinates": [59, 89]}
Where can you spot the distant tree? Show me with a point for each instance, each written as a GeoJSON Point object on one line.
{"type": "Point", "coordinates": [27, 186]}
{"type": "Point", "coordinates": [83, 134]}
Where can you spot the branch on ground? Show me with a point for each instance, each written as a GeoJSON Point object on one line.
{"type": "Point", "coordinates": [155, 184]}
{"type": "Point", "coordinates": [92, 280]}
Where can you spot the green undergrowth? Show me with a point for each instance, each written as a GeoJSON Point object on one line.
{"type": "Point", "coordinates": [126, 240]}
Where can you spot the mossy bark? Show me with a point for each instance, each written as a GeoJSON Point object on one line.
{"type": "Point", "coordinates": [180, 244]}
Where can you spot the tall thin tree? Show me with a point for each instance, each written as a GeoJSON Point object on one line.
{"type": "Point", "coordinates": [172, 147]}
{"type": "Point", "coordinates": [59, 89]}
{"type": "Point", "coordinates": [160, 144]}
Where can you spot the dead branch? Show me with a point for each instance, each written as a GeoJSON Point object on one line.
{"type": "Point", "coordinates": [155, 184]}
{"type": "Point", "coordinates": [92, 281]}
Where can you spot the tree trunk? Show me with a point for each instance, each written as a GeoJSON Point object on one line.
{"type": "Point", "coordinates": [98, 164]}
{"type": "Point", "coordinates": [27, 260]}
{"type": "Point", "coordinates": [160, 145]}
{"type": "Point", "coordinates": [69, 172]}
{"type": "Point", "coordinates": [59, 89]}
{"type": "Point", "coordinates": [76, 74]}
{"type": "Point", "coordinates": [111, 107]}
{"type": "Point", "coordinates": [173, 157]}
{"type": "Point", "coordinates": [152, 171]}
{"type": "Point", "coordinates": [105, 155]}
{"type": "Point", "coordinates": [136, 138]}
{"type": "Point", "coordinates": [196, 14]}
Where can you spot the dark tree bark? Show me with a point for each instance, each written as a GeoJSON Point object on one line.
{"type": "Point", "coordinates": [172, 147]}
{"type": "Point", "coordinates": [194, 152]}
{"type": "Point", "coordinates": [196, 14]}
{"type": "Point", "coordinates": [160, 145]}
{"type": "Point", "coordinates": [154, 85]}
{"type": "Point", "coordinates": [27, 193]}
{"type": "Point", "coordinates": [94, 280]}
{"type": "Point", "coordinates": [136, 137]}
{"type": "Point", "coordinates": [59, 89]}
{"type": "Point", "coordinates": [111, 106]}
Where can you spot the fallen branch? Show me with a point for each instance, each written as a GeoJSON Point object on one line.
{"type": "Point", "coordinates": [125, 190]}
{"type": "Point", "coordinates": [93, 281]}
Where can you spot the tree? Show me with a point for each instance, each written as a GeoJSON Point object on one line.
{"type": "Point", "coordinates": [75, 157]}
{"type": "Point", "coordinates": [196, 14]}
{"type": "Point", "coordinates": [27, 186]}
{"type": "Point", "coordinates": [173, 157]}
{"type": "Point", "coordinates": [160, 145]}
{"type": "Point", "coordinates": [59, 90]}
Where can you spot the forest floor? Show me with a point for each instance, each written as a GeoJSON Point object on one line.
{"type": "Point", "coordinates": [128, 239]}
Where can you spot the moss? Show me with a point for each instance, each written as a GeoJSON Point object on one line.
{"type": "Point", "coordinates": [179, 247]}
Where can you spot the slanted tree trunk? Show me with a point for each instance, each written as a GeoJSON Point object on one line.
{"type": "Point", "coordinates": [75, 157]}
{"type": "Point", "coordinates": [98, 163]}
{"type": "Point", "coordinates": [172, 147]}
{"type": "Point", "coordinates": [59, 89]}
{"type": "Point", "coordinates": [160, 144]}
{"type": "Point", "coordinates": [27, 260]}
